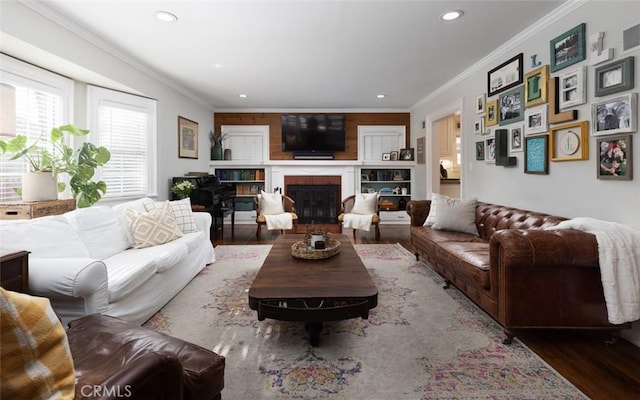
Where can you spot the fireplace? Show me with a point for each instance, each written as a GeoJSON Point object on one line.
{"type": "Point", "coordinates": [317, 198]}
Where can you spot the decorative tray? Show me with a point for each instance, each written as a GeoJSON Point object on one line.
{"type": "Point", "coordinates": [304, 249]}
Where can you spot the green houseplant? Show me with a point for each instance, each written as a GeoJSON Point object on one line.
{"type": "Point", "coordinates": [216, 139]}
{"type": "Point", "coordinates": [79, 164]}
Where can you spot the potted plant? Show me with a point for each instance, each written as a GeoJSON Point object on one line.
{"type": "Point", "coordinates": [79, 164]}
{"type": "Point", "coordinates": [216, 144]}
{"type": "Point", "coordinates": [183, 189]}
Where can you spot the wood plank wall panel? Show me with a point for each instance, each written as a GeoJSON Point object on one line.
{"type": "Point", "coordinates": [352, 120]}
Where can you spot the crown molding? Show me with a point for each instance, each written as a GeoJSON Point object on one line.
{"type": "Point", "coordinates": [55, 16]}
{"type": "Point", "coordinates": [311, 110]}
{"type": "Point", "coordinates": [489, 60]}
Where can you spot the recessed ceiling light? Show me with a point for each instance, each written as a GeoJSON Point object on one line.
{"type": "Point", "coordinates": [165, 16]}
{"type": "Point", "coordinates": [243, 96]}
{"type": "Point", "coordinates": [381, 96]}
{"type": "Point", "coordinates": [451, 15]}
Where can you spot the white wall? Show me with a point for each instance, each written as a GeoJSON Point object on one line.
{"type": "Point", "coordinates": [26, 25]}
{"type": "Point", "coordinates": [571, 188]}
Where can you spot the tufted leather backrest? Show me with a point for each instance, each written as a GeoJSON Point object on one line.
{"type": "Point", "coordinates": [491, 218]}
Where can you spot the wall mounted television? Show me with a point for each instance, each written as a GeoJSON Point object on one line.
{"type": "Point", "coordinates": [313, 132]}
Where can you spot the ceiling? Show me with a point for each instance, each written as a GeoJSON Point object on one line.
{"type": "Point", "coordinates": [305, 54]}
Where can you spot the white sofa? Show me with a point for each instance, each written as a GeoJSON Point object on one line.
{"type": "Point", "coordinates": [83, 261]}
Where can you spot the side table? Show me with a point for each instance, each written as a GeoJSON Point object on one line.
{"type": "Point", "coordinates": [14, 271]}
{"type": "Point", "coordinates": [35, 209]}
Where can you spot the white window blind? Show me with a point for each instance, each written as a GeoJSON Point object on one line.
{"type": "Point", "coordinates": [43, 101]}
{"type": "Point", "coordinates": [124, 124]}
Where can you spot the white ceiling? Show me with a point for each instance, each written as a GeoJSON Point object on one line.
{"type": "Point", "coordinates": [306, 54]}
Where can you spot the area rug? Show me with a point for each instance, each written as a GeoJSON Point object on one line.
{"type": "Point", "coordinates": [420, 342]}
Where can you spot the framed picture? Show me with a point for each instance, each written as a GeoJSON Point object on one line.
{"type": "Point", "coordinates": [515, 140]}
{"type": "Point", "coordinates": [614, 115]}
{"type": "Point", "coordinates": [480, 150]}
{"type": "Point", "coordinates": [386, 156]}
{"type": "Point", "coordinates": [505, 76]}
{"type": "Point", "coordinates": [511, 106]}
{"type": "Point", "coordinates": [420, 145]}
{"type": "Point", "coordinates": [570, 142]}
{"type": "Point", "coordinates": [615, 77]}
{"type": "Point", "coordinates": [615, 160]}
{"type": "Point", "coordinates": [536, 120]}
{"type": "Point", "coordinates": [536, 155]}
{"type": "Point", "coordinates": [568, 48]}
{"type": "Point", "coordinates": [491, 113]}
{"type": "Point", "coordinates": [535, 86]}
{"type": "Point", "coordinates": [394, 156]}
{"type": "Point", "coordinates": [478, 126]}
{"type": "Point", "coordinates": [555, 115]}
{"type": "Point", "coordinates": [187, 138]}
{"type": "Point", "coordinates": [490, 150]}
{"type": "Point", "coordinates": [406, 154]}
{"type": "Point", "coordinates": [572, 91]}
{"type": "Point", "coordinates": [480, 101]}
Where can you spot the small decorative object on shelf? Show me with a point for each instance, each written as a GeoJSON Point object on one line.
{"type": "Point", "coordinates": [216, 144]}
{"type": "Point", "coordinates": [316, 245]}
{"type": "Point", "coordinates": [183, 189]}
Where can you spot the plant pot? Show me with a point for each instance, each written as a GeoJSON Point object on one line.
{"type": "Point", "coordinates": [216, 153]}
{"type": "Point", "coordinates": [39, 186]}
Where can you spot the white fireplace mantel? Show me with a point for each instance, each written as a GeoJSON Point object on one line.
{"type": "Point", "coordinates": [278, 171]}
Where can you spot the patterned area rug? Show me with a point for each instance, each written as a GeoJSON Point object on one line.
{"type": "Point", "coordinates": [420, 342]}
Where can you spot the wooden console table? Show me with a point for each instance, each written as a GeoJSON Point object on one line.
{"type": "Point", "coordinates": [14, 273]}
{"type": "Point", "coordinates": [35, 209]}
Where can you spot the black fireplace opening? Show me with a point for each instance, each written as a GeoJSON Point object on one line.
{"type": "Point", "coordinates": [316, 204]}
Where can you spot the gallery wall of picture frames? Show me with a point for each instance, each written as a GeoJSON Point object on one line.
{"type": "Point", "coordinates": [538, 107]}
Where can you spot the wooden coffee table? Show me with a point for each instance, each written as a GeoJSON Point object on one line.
{"type": "Point", "coordinates": [312, 291]}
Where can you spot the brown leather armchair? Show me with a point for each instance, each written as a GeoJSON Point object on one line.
{"type": "Point", "coordinates": [287, 203]}
{"type": "Point", "coordinates": [116, 359]}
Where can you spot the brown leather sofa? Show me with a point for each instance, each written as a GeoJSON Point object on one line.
{"type": "Point", "coordinates": [519, 273]}
{"type": "Point", "coordinates": [115, 359]}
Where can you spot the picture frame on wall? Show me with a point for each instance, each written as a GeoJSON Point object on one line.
{"type": "Point", "coordinates": [614, 115]}
{"type": "Point", "coordinates": [491, 113]}
{"type": "Point", "coordinates": [480, 102]}
{"type": "Point", "coordinates": [505, 76]}
{"type": "Point", "coordinates": [568, 48]}
{"type": "Point", "coordinates": [570, 142]}
{"type": "Point", "coordinates": [615, 158]}
{"type": "Point", "coordinates": [478, 126]}
{"type": "Point", "coordinates": [536, 155]}
{"type": "Point", "coordinates": [615, 77]}
{"type": "Point", "coordinates": [516, 143]}
{"type": "Point", "coordinates": [480, 150]}
{"type": "Point", "coordinates": [187, 138]}
{"type": "Point", "coordinates": [420, 147]}
{"type": "Point", "coordinates": [511, 105]}
{"type": "Point", "coordinates": [490, 150]}
{"type": "Point", "coordinates": [536, 83]}
{"type": "Point", "coordinates": [536, 121]}
{"type": "Point", "coordinates": [406, 154]}
{"type": "Point", "coordinates": [572, 88]}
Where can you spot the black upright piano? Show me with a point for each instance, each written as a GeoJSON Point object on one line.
{"type": "Point", "coordinates": [218, 199]}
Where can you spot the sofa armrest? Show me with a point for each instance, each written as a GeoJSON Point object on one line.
{"type": "Point", "coordinates": [547, 278]}
{"type": "Point", "coordinates": [70, 277]}
{"type": "Point", "coordinates": [203, 222]}
{"type": "Point", "coordinates": [152, 376]}
{"type": "Point", "coordinates": [418, 210]}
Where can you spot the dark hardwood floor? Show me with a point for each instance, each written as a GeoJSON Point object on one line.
{"type": "Point", "coordinates": [600, 371]}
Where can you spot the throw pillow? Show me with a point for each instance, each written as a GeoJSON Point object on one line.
{"type": "Point", "coordinates": [153, 227]}
{"type": "Point", "coordinates": [456, 215]}
{"type": "Point", "coordinates": [365, 204]}
{"type": "Point", "coordinates": [182, 213]}
{"type": "Point", "coordinates": [432, 210]}
{"type": "Point", "coordinates": [36, 359]}
{"type": "Point", "coordinates": [271, 203]}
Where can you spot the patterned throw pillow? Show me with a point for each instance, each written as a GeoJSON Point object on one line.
{"type": "Point", "coordinates": [36, 359]}
{"type": "Point", "coordinates": [154, 227]}
{"type": "Point", "coordinates": [182, 213]}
